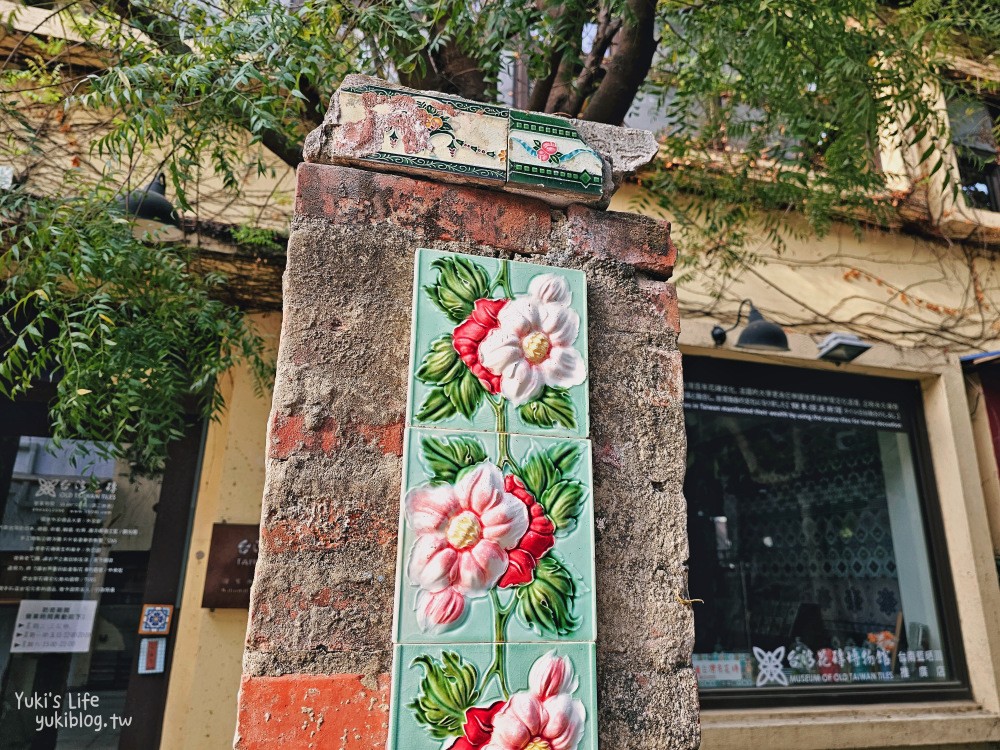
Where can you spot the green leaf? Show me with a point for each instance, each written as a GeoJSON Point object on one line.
{"type": "Point", "coordinates": [447, 690]}
{"type": "Point", "coordinates": [538, 473]}
{"type": "Point", "coordinates": [441, 364]}
{"type": "Point", "coordinates": [553, 407]}
{"type": "Point", "coordinates": [565, 456]}
{"type": "Point", "coordinates": [563, 503]}
{"type": "Point", "coordinates": [436, 406]}
{"type": "Point", "coordinates": [460, 282]}
{"type": "Point", "coordinates": [546, 604]}
{"type": "Point", "coordinates": [465, 393]}
{"type": "Point", "coordinates": [446, 457]}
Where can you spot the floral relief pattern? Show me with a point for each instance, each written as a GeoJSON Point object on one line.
{"type": "Point", "coordinates": [516, 351]}
{"type": "Point", "coordinates": [490, 533]}
{"type": "Point", "coordinates": [496, 546]}
{"type": "Point", "coordinates": [545, 716]}
{"type": "Point", "coordinates": [480, 529]}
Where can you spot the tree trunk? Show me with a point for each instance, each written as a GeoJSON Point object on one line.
{"type": "Point", "coordinates": [628, 66]}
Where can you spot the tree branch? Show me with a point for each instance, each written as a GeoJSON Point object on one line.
{"type": "Point", "coordinates": [628, 66]}
{"type": "Point", "coordinates": [589, 77]}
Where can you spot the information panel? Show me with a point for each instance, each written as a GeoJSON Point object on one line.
{"type": "Point", "coordinates": [53, 626]}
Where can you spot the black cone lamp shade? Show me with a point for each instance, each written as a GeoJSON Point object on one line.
{"type": "Point", "coordinates": [762, 334]}
{"type": "Point", "coordinates": [150, 204]}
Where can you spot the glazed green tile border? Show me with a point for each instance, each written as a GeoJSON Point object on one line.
{"type": "Point", "coordinates": [423, 162]}
{"type": "Point", "coordinates": [430, 323]}
{"type": "Point", "coordinates": [571, 559]}
{"type": "Point", "coordinates": [561, 179]}
{"type": "Point", "coordinates": [473, 661]}
{"type": "Point", "coordinates": [532, 122]}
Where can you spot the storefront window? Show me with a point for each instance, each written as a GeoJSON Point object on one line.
{"type": "Point", "coordinates": [810, 535]}
{"type": "Point", "coordinates": [75, 536]}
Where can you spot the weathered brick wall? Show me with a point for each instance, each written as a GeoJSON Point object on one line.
{"type": "Point", "coordinates": [318, 657]}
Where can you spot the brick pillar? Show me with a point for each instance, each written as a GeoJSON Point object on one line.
{"type": "Point", "coordinates": [319, 645]}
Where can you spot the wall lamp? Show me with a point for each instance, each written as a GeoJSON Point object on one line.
{"type": "Point", "coordinates": [152, 216]}
{"type": "Point", "coordinates": [150, 203]}
{"type": "Point", "coordinates": [760, 332]}
{"type": "Point", "coordinates": [842, 347]}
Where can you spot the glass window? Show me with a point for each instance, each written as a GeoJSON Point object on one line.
{"type": "Point", "coordinates": [809, 537]}
{"type": "Point", "coordinates": [973, 133]}
{"type": "Point", "coordinates": [75, 536]}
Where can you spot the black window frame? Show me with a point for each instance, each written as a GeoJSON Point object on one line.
{"type": "Point", "coordinates": [791, 377]}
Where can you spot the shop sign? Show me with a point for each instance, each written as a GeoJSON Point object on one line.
{"type": "Point", "coordinates": [232, 560]}
{"type": "Point", "coordinates": [750, 401]}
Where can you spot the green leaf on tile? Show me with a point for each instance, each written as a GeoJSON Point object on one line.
{"type": "Point", "coordinates": [563, 502]}
{"type": "Point", "coordinates": [465, 393]}
{"type": "Point", "coordinates": [441, 364]}
{"type": "Point", "coordinates": [538, 473]}
{"type": "Point", "coordinates": [546, 604]}
{"type": "Point", "coordinates": [446, 457]}
{"type": "Point", "coordinates": [460, 282]}
{"type": "Point", "coordinates": [447, 690]}
{"type": "Point", "coordinates": [565, 455]}
{"type": "Point", "coordinates": [436, 406]}
{"type": "Point", "coordinates": [553, 407]}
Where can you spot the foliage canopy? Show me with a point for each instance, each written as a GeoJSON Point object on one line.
{"type": "Point", "coordinates": [774, 104]}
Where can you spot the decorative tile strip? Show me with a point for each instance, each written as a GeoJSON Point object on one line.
{"type": "Point", "coordinates": [393, 128]}
{"type": "Point", "coordinates": [495, 618]}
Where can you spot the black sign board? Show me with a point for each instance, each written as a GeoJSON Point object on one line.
{"type": "Point", "coordinates": [752, 390]}
{"type": "Point", "coordinates": [232, 559]}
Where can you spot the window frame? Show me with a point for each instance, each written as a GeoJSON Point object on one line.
{"type": "Point", "coordinates": [958, 687]}
{"type": "Point", "coordinates": [991, 172]}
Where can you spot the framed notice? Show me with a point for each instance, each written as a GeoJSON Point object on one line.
{"type": "Point", "coordinates": [53, 626]}
{"type": "Point", "coordinates": [152, 655]}
{"type": "Point", "coordinates": [232, 560]}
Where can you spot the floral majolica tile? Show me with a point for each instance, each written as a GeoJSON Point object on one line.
{"type": "Point", "coordinates": [498, 346]}
{"type": "Point", "coordinates": [496, 539]}
{"type": "Point", "coordinates": [435, 133]}
{"type": "Point", "coordinates": [488, 697]}
{"type": "Point", "coordinates": [547, 152]}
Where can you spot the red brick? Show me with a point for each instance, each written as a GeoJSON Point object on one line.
{"type": "Point", "coordinates": [288, 434]}
{"type": "Point", "coordinates": [431, 210]}
{"type": "Point", "coordinates": [300, 711]}
{"type": "Point", "coordinates": [329, 525]}
{"type": "Point", "coordinates": [389, 437]}
{"type": "Point", "coordinates": [638, 241]}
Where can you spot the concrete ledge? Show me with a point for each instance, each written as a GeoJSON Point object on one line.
{"type": "Point", "coordinates": [841, 727]}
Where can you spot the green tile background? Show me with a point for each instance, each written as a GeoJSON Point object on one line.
{"type": "Point", "coordinates": [576, 549]}
{"type": "Point", "coordinates": [406, 734]}
{"type": "Point", "coordinates": [429, 323]}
